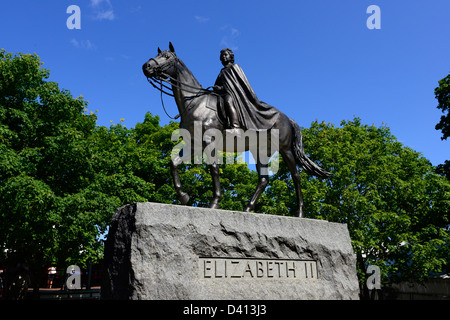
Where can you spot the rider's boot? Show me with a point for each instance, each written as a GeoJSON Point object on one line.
{"type": "Point", "coordinates": [234, 122]}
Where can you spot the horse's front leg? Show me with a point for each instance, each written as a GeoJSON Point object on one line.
{"type": "Point", "coordinates": [212, 142]}
{"type": "Point", "coordinates": [262, 184]}
{"type": "Point", "coordinates": [182, 196]}
{"type": "Point", "coordinates": [217, 194]}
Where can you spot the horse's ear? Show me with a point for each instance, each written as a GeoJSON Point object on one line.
{"type": "Point", "coordinates": [159, 50]}
{"type": "Point", "coordinates": [172, 49]}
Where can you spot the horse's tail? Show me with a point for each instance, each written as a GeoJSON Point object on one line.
{"type": "Point", "coordinates": [301, 158]}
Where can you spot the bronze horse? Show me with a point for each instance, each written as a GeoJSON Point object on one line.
{"type": "Point", "coordinates": [197, 105]}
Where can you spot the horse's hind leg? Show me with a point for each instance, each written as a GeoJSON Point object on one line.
{"type": "Point", "coordinates": [289, 159]}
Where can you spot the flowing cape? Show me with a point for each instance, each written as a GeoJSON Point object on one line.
{"type": "Point", "coordinates": [253, 114]}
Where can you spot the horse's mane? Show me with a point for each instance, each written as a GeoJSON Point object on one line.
{"type": "Point", "coordinates": [182, 69]}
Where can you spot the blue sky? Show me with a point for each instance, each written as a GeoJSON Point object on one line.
{"type": "Point", "coordinates": [310, 59]}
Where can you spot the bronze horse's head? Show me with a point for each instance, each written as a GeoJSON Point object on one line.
{"type": "Point", "coordinates": [162, 65]}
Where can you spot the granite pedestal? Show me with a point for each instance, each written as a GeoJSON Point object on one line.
{"type": "Point", "coordinates": [160, 251]}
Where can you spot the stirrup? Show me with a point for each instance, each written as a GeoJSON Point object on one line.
{"type": "Point", "coordinates": [234, 132]}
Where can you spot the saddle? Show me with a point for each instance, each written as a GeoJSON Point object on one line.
{"type": "Point", "coordinates": [215, 102]}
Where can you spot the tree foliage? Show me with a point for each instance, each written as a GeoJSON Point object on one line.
{"type": "Point", "coordinates": [43, 166]}
{"type": "Point", "coordinates": [442, 93]}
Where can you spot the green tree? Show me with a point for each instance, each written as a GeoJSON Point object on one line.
{"type": "Point", "coordinates": [395, 206]}
{"type": "Point", "coordinates": [43, 163]}
{"type": "Point", "coordinates": [442, 94]}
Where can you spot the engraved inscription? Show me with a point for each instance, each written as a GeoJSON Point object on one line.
{"type": "Point", "coordinates": [229, 268]}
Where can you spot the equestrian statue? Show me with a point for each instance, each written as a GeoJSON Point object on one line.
{"type": "Point", "coordinates": [232, 108]}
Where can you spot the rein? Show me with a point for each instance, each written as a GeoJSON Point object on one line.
{"type": "Point", "coordinates": [197, 92]}
{"type": "Point", "coordinates": [177, 84]}
{"type": "Point", "coordinates": [162, 91]}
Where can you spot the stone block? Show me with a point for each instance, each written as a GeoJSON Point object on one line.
{"type": "Point", "coordinates": [160, 251]}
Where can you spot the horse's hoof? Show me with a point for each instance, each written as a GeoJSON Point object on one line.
{"type": "Point", "coordinates": [214, 205]}
{"type": "Point", "coordinates": [299, 214]}
{"type": "Point", "coordinates": [184, 198]}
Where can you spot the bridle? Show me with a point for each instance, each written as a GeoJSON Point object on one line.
{"type": "Point", "coordinates": [175, 83]}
